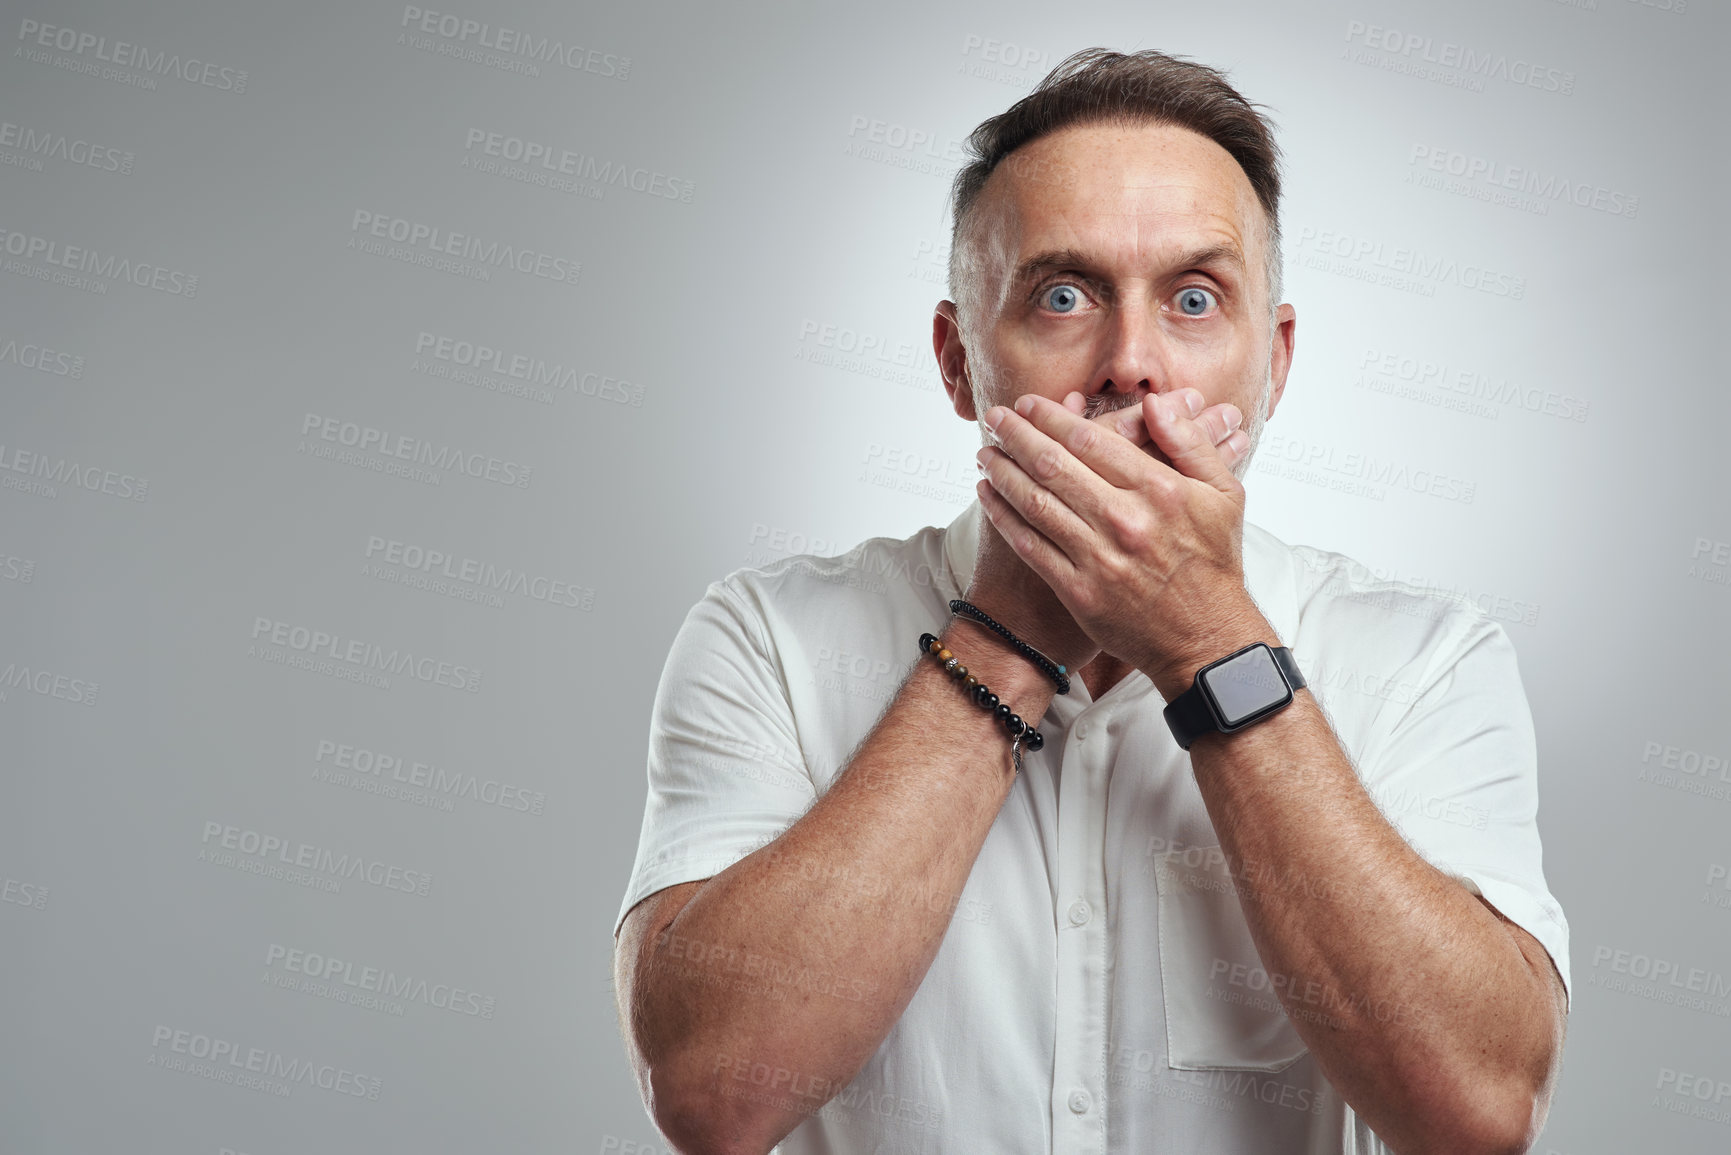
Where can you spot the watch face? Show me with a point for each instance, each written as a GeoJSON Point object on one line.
{"type": "Point", "coordinates": [1244, 685]}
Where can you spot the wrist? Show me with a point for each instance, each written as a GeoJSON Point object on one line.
{"type": "Point", "coordinates": [1053, 633]}
{"type": "Point", "coordinates": [992, 660]}
{"type": "Point", "coordinates": [1175, 671]}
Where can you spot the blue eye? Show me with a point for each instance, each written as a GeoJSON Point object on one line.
{"type": "Point", "coordinates": [1194, 301]}
{"type": "Point", "coordinates": [1063, 299]}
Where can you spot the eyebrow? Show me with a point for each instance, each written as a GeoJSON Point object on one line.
{"type": "Point", "coordinates": [1054, 259]}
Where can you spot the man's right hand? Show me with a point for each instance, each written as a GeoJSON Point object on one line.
{"type": "Point", "coordinates": [1007, 590]}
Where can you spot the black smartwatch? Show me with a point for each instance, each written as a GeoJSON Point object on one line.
{"type": "Point", "coordinates": [1239, 690]}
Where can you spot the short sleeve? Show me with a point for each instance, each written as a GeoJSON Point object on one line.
{"type": "Point", "coordinates": [726, 774]}
{"type": "Point", "coordinates": [1458, 776]}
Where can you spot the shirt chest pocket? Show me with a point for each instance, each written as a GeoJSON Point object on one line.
{"type": "Point", "coordinates": [1221, 1008]}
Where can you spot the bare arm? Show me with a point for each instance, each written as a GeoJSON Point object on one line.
{"type": "Point", "coordinates": [1439, 1020]}
{"type": "Point", "coordinates": [1441, 1027]}
{"type": "Point", "coordinates": [803, 954]}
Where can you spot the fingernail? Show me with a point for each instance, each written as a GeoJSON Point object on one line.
{"type": "Point", "coordinates": [1193, 401]}
{"type": "Point", "coordinates": [1233, 418]}
{"type": "Point", "coordinates": [1024, 405]}
{"type": "Point", "coordinates": [994, 417]}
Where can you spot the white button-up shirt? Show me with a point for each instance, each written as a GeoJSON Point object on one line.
{"type": "Point", "coordinates": [1097, 989]}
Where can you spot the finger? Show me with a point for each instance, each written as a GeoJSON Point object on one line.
{"type": "Point", "coordinates": [1221, 420]}
{"type": "Point", "coordinates": [1034, 502]}
{"type": "Point", "coordinates": [1222, 424]}
{"type": "Point", "coordinates": [1033, 547]}
{"type": "Point", "coordinates": [1127, 423]}
{"type": "Point", "coordinates": [1187, 443]}
{"type": "Point", "coordinates": [1067, 453]}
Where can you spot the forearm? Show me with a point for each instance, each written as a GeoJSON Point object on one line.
{"type": "Point", "coordinates": [803, 955]}
{"type": "Point", "coordinates": [1147, 556]}
{"type": "Point", "coordinates": [1419, 1005]}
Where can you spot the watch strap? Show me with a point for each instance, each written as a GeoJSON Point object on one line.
{"type": "Point", "coordinates": [1288, 666]}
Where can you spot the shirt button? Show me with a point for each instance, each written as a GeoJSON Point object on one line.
{"type": "Point", "coordinates": [1081, 731]}
{"type": "Point", "coordinates": [1079, 913]}
{"type": "Point", "coordinates": [1080, 1101]}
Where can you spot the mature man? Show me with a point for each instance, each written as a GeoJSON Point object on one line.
{"type": "Point", "coordinates": [1302, 909]}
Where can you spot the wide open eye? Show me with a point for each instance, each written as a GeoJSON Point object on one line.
{"type": "Point", "coordinates": [1062, 298]}
{"type": "Point", "coordinates": [1195, 301]}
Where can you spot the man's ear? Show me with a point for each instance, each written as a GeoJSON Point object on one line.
{"type": "Point", "coordinates": [1280, 356]}
{"type": "Point", "coordinates": [953, 359]}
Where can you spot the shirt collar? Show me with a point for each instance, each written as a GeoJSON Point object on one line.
{"type": "Point", "coordinates": [1268, 574]}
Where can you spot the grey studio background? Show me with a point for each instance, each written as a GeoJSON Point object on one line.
{"type": "Point", "coordinates": [380, 385]}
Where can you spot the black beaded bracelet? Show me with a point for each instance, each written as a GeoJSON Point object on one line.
{"type": "Point", "coordinates": [1052, 669]}
{"type": "Point", "coordinates": [1020, 732]}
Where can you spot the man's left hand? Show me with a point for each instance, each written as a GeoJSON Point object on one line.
{"type": "Point", "coordinates": [1146, 556]}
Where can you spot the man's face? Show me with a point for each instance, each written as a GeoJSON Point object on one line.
{"type": "Point", "coordinates": [1117, 260]}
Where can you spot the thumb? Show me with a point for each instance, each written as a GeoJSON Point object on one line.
{"type": "Point", "coordinates": [1186, 441]}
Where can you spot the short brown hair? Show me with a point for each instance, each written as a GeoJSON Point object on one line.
{"type": "Point", "coordinates": [1095, 85]}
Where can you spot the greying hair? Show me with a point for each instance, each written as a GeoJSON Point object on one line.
{"type": "Point", "coordinates": [1096, 85]}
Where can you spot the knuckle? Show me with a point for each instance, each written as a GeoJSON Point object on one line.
{"type": "Point", "coordinates": [1039, 504]}
{"type": "Point", "coordinates": [1126, 525]}
{"type": "Point", "coordinates": [1163, 490]}
{"type": "Point", "coordinates": [1129, 423]}
{"type": "Point", "coordinates": [1085, 437]}
{"type": "Point", "coordinates": [1047, 465]}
